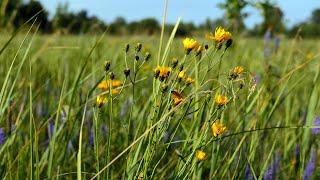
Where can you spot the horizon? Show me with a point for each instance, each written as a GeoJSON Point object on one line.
{"type": "Point", "coordinates": [141, 9]}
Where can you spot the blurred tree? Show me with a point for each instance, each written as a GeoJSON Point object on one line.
{"type": "Point", "coordinates": [8, 10]}
{"type": "Point", "coordinates": [315, 17]}
{"type": "Point", "coordinates": [75, 23]}
{"type": "Point", "coordinates": [272, 17]}
{"type": "Point", "coordinates": [185, 29]}
{"type": "Point", "coordinates": [118, 26]}
{"type": "Point", "coordinates": [234, 13]}
{"type": "Point", "coordinates": [149, 26]}
{"type": "Point", "coordinates": [309, 28]}
{"type": "Point", "coordinates": [145, 26]}
{"type": "Point", "coordinates": [26, 11]}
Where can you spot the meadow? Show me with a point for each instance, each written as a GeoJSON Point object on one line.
{"type": "Point", "coordinates": [103, 107]}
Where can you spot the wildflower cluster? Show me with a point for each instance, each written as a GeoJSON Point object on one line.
{"type": "Point", "coordinates": [207, 98]}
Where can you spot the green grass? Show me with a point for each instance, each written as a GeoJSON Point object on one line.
{"type": "Point", "coordinates": [139, 133]}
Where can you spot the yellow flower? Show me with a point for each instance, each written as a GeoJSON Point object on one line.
{"type": "Point", "coordinates": [115, 91]}
{"type": "Point", "coordinates": [309, 56]}
{"type": "Point", "coordinates": [220, 35]}
{"type": "Point", "coordinates": [190, 44]}
{"type": "Point", "coordinates": [182, 75]}
{"type": "Point", "coordinates": [221, 100]}
{"type": "Point", "coordinates": [238, 70]}
{"type": "Point", "coordinates": [218, 129]}
{"type": "Point", "coordinates": [104, 85]}
{"type": "Point", "coordinates": [201, 155]}
{"type": "Point", "coordinates": [189, 81]}
{"type": "Point", "coordinates": [177, 97]}
{"type": "Point", "coordinates": [162, 72]}
{"type": "Point", "coordinates": [101, 100]}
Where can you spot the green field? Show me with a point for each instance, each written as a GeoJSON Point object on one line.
{"type": "Point", "coordinates": [54, 128]}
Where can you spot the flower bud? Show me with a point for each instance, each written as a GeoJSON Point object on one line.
{"type": "Point", "coordinates": [156, 73]}
{"type": "Point", "coordinates": [147, 56]}
{"type": "Point", "coordinates": [126, 72]}
{"type": "Point", "coordinates": [111, 75]}
{"type": "Point", "coordinates": [127, 48]}
{"type": "Point", "coordinates": [181, 68]}
{"type": "Point", "coordinates": [136, 57]}
{"type": "Point", "coordinates": [174, 63]}
{"type": "Point", "coordinates": [218, 46]}
{"type": "Point", "coordinates": [164, 88]}
{"type": "Point", "coordinates": [228, 43]}
{"type": "Point", "coordinates": [107, 66]}
{"type": "Point", "coordinates": [138, 47]}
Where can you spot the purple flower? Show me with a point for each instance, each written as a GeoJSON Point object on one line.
{"type": "Point", "coordinates": [267, 36]}
{"type": "Point", "coordinates": [298, 149]}
{"type": "Point", "coordinates": [308, 171]}
{"type": "Point", "coordinates": [266, 52]}
{"type": "Point", "coordinates": [272, 169]}
{"type": "Point", "coordinates": [70, 146]}
{"type": "Point", "coordinates": [248, 173]}
{"type": "Point", "coordinates": [276, 44]}
{"type": "Point", "coordinates": [104, 129]}
{"type": "Point", "coordinates": [2, 136]}
{"type": "Point", "coordinates": [297, 157]}
{"type": "Point", "coordinates": [91, 138]}
{"type": "Point", "coordinates": [257, 79]}
{"type": "Point", "coordinates": [51, 128]}
{"type": "Point", "coordinates": [266, 43]}
{"type": "Point", "coordinates": [316, 122]}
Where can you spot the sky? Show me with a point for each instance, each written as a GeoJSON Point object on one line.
{"type": "Point", "coordinates": [190, 10]}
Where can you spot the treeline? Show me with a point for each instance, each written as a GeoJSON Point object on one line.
{"type": "Point", "coordinates": [14, 13]}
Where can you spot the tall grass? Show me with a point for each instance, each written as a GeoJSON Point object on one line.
{"type": "Point", "coordinates": [55, 130]}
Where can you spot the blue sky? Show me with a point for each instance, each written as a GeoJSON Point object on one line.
{"type": "Point", "coordinates": [190, 10]}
